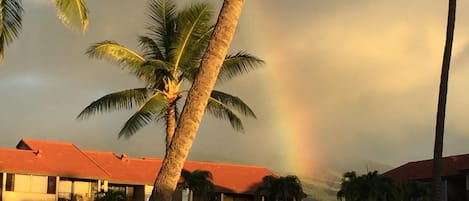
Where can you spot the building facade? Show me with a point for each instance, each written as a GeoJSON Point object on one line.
{"type": "Point", "coordinates": [455, 175]}
{"type": "Point", "coordinates": [59, 171]}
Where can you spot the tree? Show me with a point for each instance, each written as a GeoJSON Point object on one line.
{"type": "Point", "coordinates": [199, 182]}
{"type": "Point", "coordinates": [349, 188]}
{"type": "Point", "coordinates": [414, 191]}
{"type": "Point", "coordinates": [197, 100]}
{"type": "Point", "coordinates": [172, 52]}
{"type": "Point", "coordinates": [281, 188]}
{"type": "Point", "coordinates": [112, 196]}
{"type": "Point", "coordinates": [440, 116]}
{"type": "Point", "coordinates": [73, 13]}
{"type": "Point", "coordinates": [370, 186]}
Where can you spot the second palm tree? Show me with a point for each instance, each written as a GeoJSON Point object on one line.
{"type": "Point", "coordinates": [172, 52]}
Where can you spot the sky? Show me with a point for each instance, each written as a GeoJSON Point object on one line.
{"type": "Point", "coordinates": [344, 81]}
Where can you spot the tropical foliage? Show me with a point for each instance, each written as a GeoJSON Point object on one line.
{"type": "Point", "coordinates": [375, 187]}
{"type": "Point", "coordinates": [197, 99]}
{"type": "Point", "coordinates": [111, 196]}
{"type": "Point", "coordinates": [286, 188]}
{"type": "Point", "coordinates": [171, 55]}
{"type": "Point", "coordinates": [73, 14]}
{"type": "Point", "coordinates": [199, 182]}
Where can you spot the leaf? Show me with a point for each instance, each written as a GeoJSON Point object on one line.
{"type": "Point", "coordinates": [233, 102]}
{"type": "Point", "coordinates": [126, 58]}
{"type": "Point", "coordinates": [11, 18]}
{"type": "Point", "coordinates": [149, 111]}
{"type": "Point", "coordinates": [150, 48]}
{"type": "Point", "coordinates": [238, 64]}
{"type": "Point", "coordinates": [73, 14]}
{"type": "Point", "coordinates": [222, 106]}
{"type": "Point", "coordinates": [125, 99]}
{"type": "Point", "coordinates": [162, 25]}
{"type": "Point", "coordinates": [193, 23]}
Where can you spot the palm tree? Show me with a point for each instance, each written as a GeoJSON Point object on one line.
{"type": "Point", "coordinates": [440, 116]}
{"type": "Point", "coordinates": [281, 188]}
{"type": "Point", "coordinates": [73, 13]}
{"type": "Point", "coordinates": [349, 188]}
{"type": "Point", "coordinates": [199, 182]}
{"type": "Point", "coordinates": [172, 52]}
{"type": "Point", "coordinates": [370, 186]}
{"type": "Point", "coordinates": [197, 100]}
{"type": "Point", "coordinates": [414, 191]}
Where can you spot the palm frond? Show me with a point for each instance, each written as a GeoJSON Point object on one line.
{"type": "Point", "coordinates": [125, 99]}
{"type": "Point", "coordinates": [221, 111]}
{"type": "Point", "coordinates": [154, 71]}
{"type": "Point", "coordinates": [150, 48]}
{"type": "Point", "coordinates": [11, 18]}
{"type": "Point", "coordinates": [149, 111]}
{"type": "Point", "coordinates": [222, 108]}
{"type": "Point", "coordinates": [238, 64]}
{"type": "Point", "coordinates": [233, 102]}
{"type": "Point", "coordinates": [190, 65]}
{"type": "Point", "coordinates": [73, 14]}
{"type": "Point", "coordinates": [126, 58]}
{"type": "Point", "coordinates": [193, 24]}
{"type": "Point", "coordinates": [163, 22]}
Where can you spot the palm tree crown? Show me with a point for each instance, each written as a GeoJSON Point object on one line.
{"type": "Point", "coordinates": [370, 186]}
{"type": "Point", "coordinates": [73, 13]}
{"type": "Point", "coordinates": [199, 182]}
{"type": "Point", "coordinates": [171, 54]}
{"type": "Point", "coordinates": [281, 188]}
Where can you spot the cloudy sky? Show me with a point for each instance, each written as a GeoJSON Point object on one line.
{"type": "Point", "coordinates": [344, 80]}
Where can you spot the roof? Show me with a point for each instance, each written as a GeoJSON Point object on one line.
{"type": "Point", "coordinates": [227, 178]}
{"type": "Point", "coordinates": [53, 158]}
{"type": "Point", "coordinates": [125, 170]}
{"type": "Point", "coordinates": [422, 170]}
{"type": "Point", "coordinates": [66, 159]}
{"type": "Point", "coordinates": [232, 178]}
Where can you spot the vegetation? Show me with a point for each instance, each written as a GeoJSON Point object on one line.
{"type": "Point", "coordinates": [197, 100]}
{"type": "Point", "coordinates": [375, 187]}
{"type": "Point", "coordinates": [171, 54]}
{"type": "Point", "coordinates": [199, 182]}
{"type": "Point", "coordinates": [73, 14]}
{"type": "Point", "coordinates": [112, 196]}
{"type": "Point", "coordinates": [281, 188]}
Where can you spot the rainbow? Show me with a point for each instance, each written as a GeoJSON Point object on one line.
{"type": "Point", "coordinates": [293, 119]}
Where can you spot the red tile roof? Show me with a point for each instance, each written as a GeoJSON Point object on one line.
{"type": "Point", "coordinates": [228, 178]}
{"type": "Point", "coordinates": [59, 158]}
{"type": "Point", "coordinates": [66, 159]}
{"type": "Point", "coordinates": [232, 178]}
{"type": "Point", "coordinates": [422, 170]}
{"type": "Point", "coordinates": [127, 170]}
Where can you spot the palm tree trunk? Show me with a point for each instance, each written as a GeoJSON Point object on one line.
{"type": "Point", "coordinates": [440, 117]}
{"type": "Point", "coordinates": [170, 124]}
{"type": "Point", "coordinates": [196, 102]}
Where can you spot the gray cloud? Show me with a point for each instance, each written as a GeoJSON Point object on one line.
{"type": "Point", "coordinates": [365, 73]}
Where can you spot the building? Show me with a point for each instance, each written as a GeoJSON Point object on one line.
{"type": "Point", "coordinates": [59, 171]}
{"type": "Point", "coordinates": [455, 175]}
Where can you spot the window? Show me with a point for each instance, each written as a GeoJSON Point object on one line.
{"type": "Point", "coordinates": [51, 185]}
{"type": "Point", "coordinates": [1, 183]}
{"type": "Point", "coordinates": [129, 191]}
{"type": "Point", "coordinates": [10, 182]}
